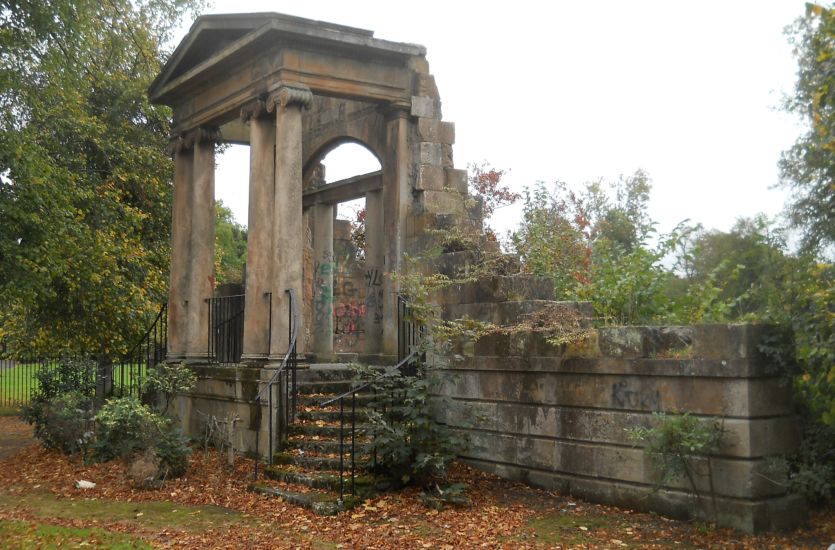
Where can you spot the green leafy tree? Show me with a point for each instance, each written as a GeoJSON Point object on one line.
{"type": "Point", "coordinates": [554, 238]}
{"type": "Point", "coordinates": [595, 246]}
{"type": "Point", "coordinates": [230, 246]}
{"type": "Point", "coordinates": [85, 183]}
{"type": "Point", "coordinates": [808, 168]}
{"type": "Point", "coordinates": [734, 275]}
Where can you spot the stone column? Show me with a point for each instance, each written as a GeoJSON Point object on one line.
{"type": "Point", "coordinates": [374, 259]}
{"type": "Point", "coordinates": [178, 289]}
{"type": "Point", "coordinates": [287, 101]}
{"type": "Point", "coordinates": [202, 239]}
{"type": "Point", "coordinates": [396, 205]}
{"type": "Point", "coordinates": [259, 233]}
{"type": "Point", "coordinates": [323, 281]}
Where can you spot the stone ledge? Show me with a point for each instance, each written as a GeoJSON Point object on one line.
{"type": "Point", "coordinates": [494, 289]}
{"type": "Point", "coordinates": [743, 438]}
{"type": "Point", "coordinates": [490, 353]}
{"type": "Point", "coordinates": [703, 396]}
{"type": "Point", "coordinates": [506, 313]}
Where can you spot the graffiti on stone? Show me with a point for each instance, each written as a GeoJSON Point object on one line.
{"type": "Point", "coordinates": [323, 283]}
{"type": "Point", "coordinates": [374, 294]}
{"type": "Point", "coordinates": [626, 397]}
{"type": "Point", "coordinates": [348, 321]}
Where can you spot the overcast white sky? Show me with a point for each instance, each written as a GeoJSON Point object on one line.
{"type": "Point", "coordinates": [577, 91]}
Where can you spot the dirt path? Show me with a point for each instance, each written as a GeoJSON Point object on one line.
{"type": "Point", "coordinates": [14, 435]}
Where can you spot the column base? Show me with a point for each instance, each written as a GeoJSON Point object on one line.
{"type": "Point", "coordinates": [195, 358]}
{"type": "Point", "coordinates": [254, 360]}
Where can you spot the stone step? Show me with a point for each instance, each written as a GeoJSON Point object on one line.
{"type": "Point", "coordinates": [326, 430]}
{"type": "Point", "coordinates": [320, 372]}
{"type": "Point", "coordinates": [315, 400]}
{"type": "Point", "coordinates": [332, 387]}
{"type": "Point", "coordinates": [331, 416]}
{"type": "Point", "coordinates": [327, 446]}
{"type": "Point", "coordinates": [320, 502]}
{"type": "Point", "coordinates": [497, 288]}
{"type": "Point", "coordinates": [328, 463]}
{"type": "Point", "coordinates": [364, 483]}
{"type": "Point", "coordinates": [509, 313]}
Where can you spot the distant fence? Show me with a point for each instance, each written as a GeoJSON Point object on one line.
{"type": "Point", "coordinates": [19, 377]}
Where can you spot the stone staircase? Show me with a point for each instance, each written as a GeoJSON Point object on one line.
{"type": "Point", "coordinates": [307, 471]}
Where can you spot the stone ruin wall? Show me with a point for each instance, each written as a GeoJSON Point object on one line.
{"type": "Point", "coordinates": [551, 417]}
{"type": "Point", "coordinates": [557, 416]}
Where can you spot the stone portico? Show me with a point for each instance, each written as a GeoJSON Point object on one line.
{"type": "Point", "coordinates": [293, 90]}
{"type": "Point", "coordinates": [554, 416]}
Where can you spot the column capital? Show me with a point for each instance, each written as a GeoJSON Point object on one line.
{"type": "Point", "coordinates": [202, 135]}
{"type": "Point", "coordinates": [187, 140]}
{"type": "Point", "coordinates": [285, 95]}
{"type": "Point", "coordinates": [254, 108]}
{"type": "Point", "coordinates": [177, 144]}
{"type": "Point", "coordinates": [396, 109]}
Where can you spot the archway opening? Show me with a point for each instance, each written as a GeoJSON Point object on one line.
{"type": "Point", "coordinates": [345, 162]}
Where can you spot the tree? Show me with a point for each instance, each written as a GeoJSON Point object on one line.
{"type": "Point", "coordinates": [230, 246]}
{"type": "Point", "coordinates": [808, 168]}
{"type": "Point", "coordinates": [85, 183]}
{"type": "Point", "coordinates": [595, 246]}
{"type": "Point", "coordinates": [749, 264]}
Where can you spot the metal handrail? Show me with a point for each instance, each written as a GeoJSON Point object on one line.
{"type": "Point", "coordinates": [407, 337]}
{"type": "Point", "coordinates": [149, 350]}
{"type": "Point", "coordinates": [144, 337]}
{"type": "Point", "coordinates": [398, 366]}
{"type": "Point", "coordinates": [294, 309]}
{"type": "Point", "coordinates": [291, 352]}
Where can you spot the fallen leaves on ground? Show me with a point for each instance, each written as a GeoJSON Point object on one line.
{"type": "Point", "coordinates": [502, 515]}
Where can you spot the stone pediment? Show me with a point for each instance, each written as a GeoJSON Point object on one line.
{"type": "Point", "coordinates": [219, 45]}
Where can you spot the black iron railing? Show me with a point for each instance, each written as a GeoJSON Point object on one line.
{"type": "Point", "coordinates": [409, 333]}
{"type": "Point", "coordinates": [410, 356]}
{"type": "Point", "coordinates": [284, 379]}
{"type": "Point", "coordinates": [226, 328]}
{"type": "Point", "coordinates": [127, 376]}
{"type": "Point", "coordinates": [407, 366]}
{"type": "Point", "coordinates": [19, 375]}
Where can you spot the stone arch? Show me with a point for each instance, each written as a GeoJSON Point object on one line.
{"type": "Point", "coordinates": [332, 122]}
{"type": "Point", "coordinates": [312, 160]}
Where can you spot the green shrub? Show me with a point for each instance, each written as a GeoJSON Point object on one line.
{"type": "Point", "coordinates": [172, 450]}
{"type": "Point", "coordinates": [168, 380]}
{"type": "Point", "coordinates": [674, 445]}
{"type": "Point", "coordinates": [411, 447]}
{"type": "Point", "coordinates": [126, 427]}
{"type": "Point", "coordinates": [69, 375]}
{"type": "Point", "coordinates": [64, 423]}
{"type": "Point", "coordinates": [61, 410]}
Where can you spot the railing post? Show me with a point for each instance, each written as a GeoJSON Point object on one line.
{"type": "Point", "coordinates": [353, 438]}
{"type": "Point", "coordinates": [341, 449]}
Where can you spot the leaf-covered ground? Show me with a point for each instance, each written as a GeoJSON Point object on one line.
{"type": "Point", "coordinates": [211, 508]}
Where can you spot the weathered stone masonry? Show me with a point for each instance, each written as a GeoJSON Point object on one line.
{"type": "Point", "coordinates": [294, 89]}
{"type": "Point", "coordinates": [557, 416]}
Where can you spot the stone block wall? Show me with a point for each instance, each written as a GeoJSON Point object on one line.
{"type": "Point", "coordinates": [557, 416]}
{"type": "Point", "coordinates": [224, 393]}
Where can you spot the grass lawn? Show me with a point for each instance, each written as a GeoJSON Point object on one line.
{"type": "Point", "coordinates": [18, 382]}
{"type": "Point", "coordinates": [25, 534]}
